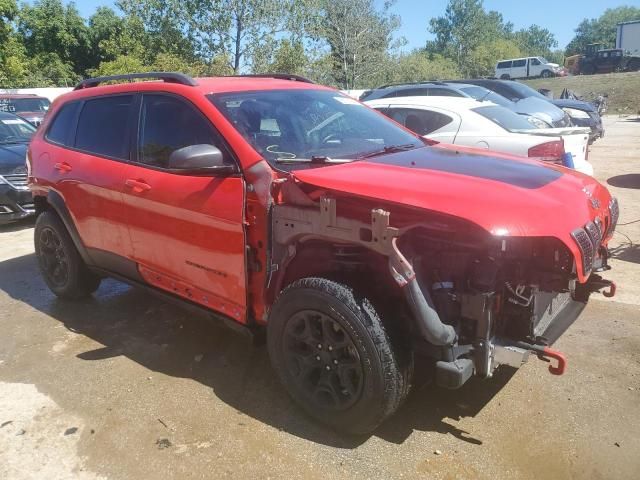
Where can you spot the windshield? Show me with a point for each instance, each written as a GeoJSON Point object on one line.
{"type": "Point", "coordinates": [481, 93]}
{"type": "Point", "coordinates": [18, 105]}
{"type": "Point", "coordinates": [504, 118]}
{"type": "Point", "coordinates": [301, 125]}
{"type": "Point", "coordinates": [15, 130]}
{"type": "Point", "coordinates": [543, 60]}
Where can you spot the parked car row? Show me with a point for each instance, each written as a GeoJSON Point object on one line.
{"type": "Point", "coordinates": [16, 201]}
{"type": "Point", "coordinates": [28, 106]}
{"type": "Point", "coordinates": [500, 115]}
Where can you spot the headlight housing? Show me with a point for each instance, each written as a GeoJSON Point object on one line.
{"type": "Point", "coordinates": [575, 113]}
{"type": "Point", "coordinates": [538, 123]}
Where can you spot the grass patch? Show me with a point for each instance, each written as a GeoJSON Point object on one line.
{"type": "Point", "coordinates": [623, 88]}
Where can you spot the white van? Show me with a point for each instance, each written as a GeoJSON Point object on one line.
{"type": "Point", "coordinates": [526, 67]}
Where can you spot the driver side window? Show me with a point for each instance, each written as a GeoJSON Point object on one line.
{"type": "Point", "coordinates": [168, 124]}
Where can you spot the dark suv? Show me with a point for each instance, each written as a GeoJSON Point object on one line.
{"type": "Point", "coordinates": [16, 201]}
{"type": "Point", "coordinates": [278, 205]}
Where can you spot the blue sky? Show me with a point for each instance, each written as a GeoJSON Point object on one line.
{"type": "Point", "coordinates": [561, 17]}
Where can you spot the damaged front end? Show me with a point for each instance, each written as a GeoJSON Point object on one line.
{"type": "Point", "coordinates": [474, 301]}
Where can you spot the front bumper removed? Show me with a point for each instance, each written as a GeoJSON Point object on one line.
{"type": "Point", "coordinates": [459, 363]}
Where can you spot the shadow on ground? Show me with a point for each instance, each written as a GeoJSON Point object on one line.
{"type": "Point", "coordinates": [627, 252]}
{"type": "Point", "coordinates": [163, 338]}
{"type": "Point", "coordinates": [19, 225]}
{"type": "Point", "coordinates": [630, 180]}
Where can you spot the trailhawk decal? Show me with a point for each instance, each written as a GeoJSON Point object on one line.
{"type": "Point", "coordinates": [513, 172]}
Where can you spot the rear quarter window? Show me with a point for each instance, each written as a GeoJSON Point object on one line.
{"type": "Point", "coordinates": [506, 64]}
{"type": "Point", "coordinates": [60, 130]}
{"type": "Point", "coordinates": [103, 126]}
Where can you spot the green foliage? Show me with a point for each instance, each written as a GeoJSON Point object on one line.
{"type": "Point", "coordinates": [465, 27]}
{"type": "Point", "coordinates": [601, 29]}
{"type": "Point", "coordinates": [49, 27]}
{"type": "Point", "coordinates": [359, 38]}
{"type": "Point", "coordinates": [418, 66]}
{"type": "Point", "coordinates": [484, 57]}
{"type": "Point", "coordinates": [535, 41]}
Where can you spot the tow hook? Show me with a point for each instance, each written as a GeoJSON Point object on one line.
{"type": "Point", "coordinates": [599, 284]}
{"type": "Point", "coordinates": [545, 354]}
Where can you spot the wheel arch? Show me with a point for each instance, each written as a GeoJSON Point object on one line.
{"type": "Point", "coordinates": [56, 203]}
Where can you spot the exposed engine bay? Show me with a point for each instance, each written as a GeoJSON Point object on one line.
{"type": "Point", "coordinates": [475, 301]}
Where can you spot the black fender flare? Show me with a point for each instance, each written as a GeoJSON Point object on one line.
{"type": "Point", "coordinates": [57, 203]}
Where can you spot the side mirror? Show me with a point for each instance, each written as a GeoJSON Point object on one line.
{"type": "Point", "coordinates": [201, 159]}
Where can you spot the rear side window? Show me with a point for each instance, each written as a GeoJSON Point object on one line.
{"type": "Point", "coordinates": [61, 126]}
{"type": "Point", "coordinates": [103, 126]}
{"type": "Point", "coordinates": [506, 64]}
{"type": "Point", "coordinates": [169, 124]}
{"type": "Point", "coordinates": [519, 63]}
{"type": "Point", "coordinates": [444, 92]}
{"type": "Point", "coordinates": [418, 121]}
{"type": "Point", "coordinates": [504, 118]}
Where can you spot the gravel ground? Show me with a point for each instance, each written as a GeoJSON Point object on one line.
{"type": "Point", "coordinates": [120, 386]}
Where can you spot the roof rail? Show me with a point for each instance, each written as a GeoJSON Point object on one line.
{"type": "Point", "coordinates": [278, 76]}
{"type": "Point", "coordinates": [169, 77]}
{"type": "Point", "coordinates": [407, 84]}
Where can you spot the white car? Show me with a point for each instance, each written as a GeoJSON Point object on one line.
{"type": "Point", "coordinates": [526, 68]}
{"type": "Point", "coordinates": [472, 123]}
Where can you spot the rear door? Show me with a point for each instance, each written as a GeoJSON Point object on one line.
{"type": "Point", "coordinates": [89, 147]}
{"type": "Point", "coordinates": [186, 231]}
{"type": "Point", "coordinates": [519, 68]}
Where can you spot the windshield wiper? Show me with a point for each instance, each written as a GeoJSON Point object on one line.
{"type": "Point", "coordinates": [389, 149]}
{"type": "Point", "coordinates": [315, 159]}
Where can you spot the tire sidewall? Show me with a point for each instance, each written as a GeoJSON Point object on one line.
{"type": "Point", "coordinates": [71, 289]}
{"type": "Point", "coordinates": [370, 405]}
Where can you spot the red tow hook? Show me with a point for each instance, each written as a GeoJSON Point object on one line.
{"type": "Point", "coordinates": [546, 353]}
{"type": "Point", "coordinates": [562, 361]}
{"type": "Point", "coordinates": [611, 292]}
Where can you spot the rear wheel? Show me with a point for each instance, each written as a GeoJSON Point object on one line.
{"type": "Point", "coordinates": [334, 357]}
{"type": "Point", "coordinates": [63, 270]}
{"type": "Point", "coordinates": [505, 77]}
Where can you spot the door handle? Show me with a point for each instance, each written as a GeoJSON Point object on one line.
{"type": "Point", "coordinates": [137, 186]}
{"type": "Point", "coordinates": [63, 167]}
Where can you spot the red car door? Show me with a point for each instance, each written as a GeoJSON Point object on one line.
{"type": "Point", "coordinates": [186, 231]}
{"type": "Point", "coordinates": [89, 164]}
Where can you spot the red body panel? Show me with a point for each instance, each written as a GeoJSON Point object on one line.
{"type": "Point", "coordinates": [190, 228]}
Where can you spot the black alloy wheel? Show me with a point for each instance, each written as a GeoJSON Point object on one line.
{"type": "Point", "coordinates": [324, 360]}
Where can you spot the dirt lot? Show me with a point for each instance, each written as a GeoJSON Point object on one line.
{"type": "Point", "coordinates": [120, 386]}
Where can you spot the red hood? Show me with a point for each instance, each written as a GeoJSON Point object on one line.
{"type": "Point", "coordinates": [504, 196]}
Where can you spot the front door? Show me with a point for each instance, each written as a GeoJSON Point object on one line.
{"type": "Point", "coordinates": [186, 231]}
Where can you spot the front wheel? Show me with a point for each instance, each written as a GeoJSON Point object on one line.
{"type": "Point", "coordinates": [63, 270]}
{"type": "Point", "coordinates": [546, 74]}
{"type": "Point", "coordinates": [334, 357]}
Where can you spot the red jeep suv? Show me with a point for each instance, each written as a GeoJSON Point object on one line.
{"type": "Point", "coordinates": [279, 205]}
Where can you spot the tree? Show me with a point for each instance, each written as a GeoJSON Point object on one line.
{"type": "Point", "coordinates": [601, 29]}
{"type": "Point", "coordinates": [359, 38]}
{"type": "Point", "coordinates": [163, 23]}
{"type": "Point", "coordinates": [48, 27]}
{"type": "Point", "coordinates": [238, 28]}
{"type": "Point", "coordinates": [535, 41]}
{"type": "Point", "coordinates": [465, 26]}
{"type": "Point", "coordinates": [418, 66]}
